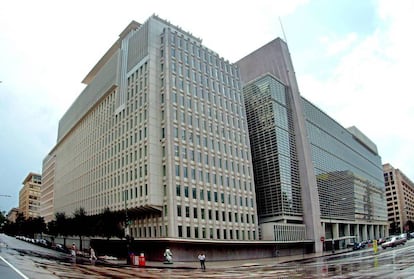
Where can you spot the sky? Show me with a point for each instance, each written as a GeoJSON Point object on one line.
{"type": "Point", "coordinates": [353, 59]}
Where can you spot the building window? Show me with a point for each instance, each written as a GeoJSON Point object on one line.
{"type": "Point", "coordinates": [187, 211]}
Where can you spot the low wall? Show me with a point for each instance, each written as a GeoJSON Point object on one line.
{"type": "Point", "coordinates": [188, 251]}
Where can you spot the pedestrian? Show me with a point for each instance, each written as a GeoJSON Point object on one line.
{"type": "Point", "coordinates": [73, 250]}
{"type": "Point", "coordinates": [93, 257]}
{"type": "Point", "coordinates": [202, 259]}
{"type": "Point", "coordinates": [168, 255]}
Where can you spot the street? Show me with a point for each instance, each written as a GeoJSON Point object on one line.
{"type": "Point", "coordinates": [35, 262]}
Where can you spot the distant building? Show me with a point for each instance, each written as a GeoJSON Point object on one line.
{"type": "Point", "coordinates": [29, 195]}
{"type": "Point", "coordinates": [308, 169]}
{"type": "Point", "coordinates": [12, 215]}
{"type": "Point", "coordinates": [46, 190]}
{"type": "Point", "coordinates": [399, 191]}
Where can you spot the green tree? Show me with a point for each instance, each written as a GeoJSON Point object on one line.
{"type": "Point", "coordinates": [410, 225]}
{"type": "Point", "coordinates": [393, 228]}
{"type": "Point", "coordinates": [108, 224]}
{"type": "Point", "coordinates": [2, 217]}
{"type": "Point", "coordinates": [80, 225]}
{"type": "Point", "coordinates": [20, 224]}
{"type": "Point", "coordinates": [3, 220]}
{"type": "Point", "coordinates": [61, 225]}
{"type": "Point", "coordinates": [32, 226]}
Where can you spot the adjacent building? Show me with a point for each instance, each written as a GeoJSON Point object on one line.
{"type": "Point", "coordinates": [29, 195]}
{"type": "Point", "coordinates": [400, 199]}
{"type": "Point", "coordinates": [315, 180]}
{"type": "Point", "coordinates": [47, 189]}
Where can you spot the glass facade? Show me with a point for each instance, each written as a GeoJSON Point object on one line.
{"type": "Point", "coordinates": [273, 148]}
{"type": "Point", "coordinates": [348, 173]}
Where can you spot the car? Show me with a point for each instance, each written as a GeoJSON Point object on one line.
{"type": "Point", "coordinates": [62, 248]}
{"type": "Point", "coordinates": [43, 242]}
{"type": "Point", "coordinates": [404, 235]}
{"type": "Point", "coordinates": [359, 245]}
{"type": "Point", "coordinates": [382, 240]}
{"type": "Point", "coordinates": [393, 241]}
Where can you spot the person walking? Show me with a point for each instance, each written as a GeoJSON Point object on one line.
{"type": "Point", "coordinates": [168, 256]}
{"type": "Point", "coordinates": [202, 259]}
{"type": "Point", "coordinates": [93, 257]}
{"type": "Point", "coordinates": [73, 250]}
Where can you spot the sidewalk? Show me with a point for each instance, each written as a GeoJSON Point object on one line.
{"type": "Point", "coordinates": [230, 264]}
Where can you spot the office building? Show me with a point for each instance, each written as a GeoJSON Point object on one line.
{"type": "Point", "coordinates": [399, 191]}
{"type": "Point", "coordinates": [29, 195]}
{"type": "Point", "coordinates": [169, 130]}
{"type": "Point", "coordinates": [46, 191]}
{"type": "Point", "coordinates": [160, 129]}
{"type": "Point", "coordinates": [308, 169]}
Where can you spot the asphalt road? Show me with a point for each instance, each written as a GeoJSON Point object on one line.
{"type": "Point", "coordinates": [7, 270]}
{"type": "Point", "coordinates": [39, 263]}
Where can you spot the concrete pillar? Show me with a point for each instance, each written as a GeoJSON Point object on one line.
{"type": "Point", "coordinates": [347, 232]}
{"type": "Point", "coordinates": [357, 235]}
{"type": "Point", "coordinates": [364, 232]}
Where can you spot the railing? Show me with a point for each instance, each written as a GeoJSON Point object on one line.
{"type": "Point", "coordinates": [289, 232]}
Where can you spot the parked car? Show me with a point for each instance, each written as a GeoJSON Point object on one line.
{"type": "Point", "coordinates": [62, 248]}
{"type": "Point", "coordinates": [359, 245]}
{"type": "Point", "coordinates": [404, 235]}
{"type": "Point", "coordinates": [43, 242]}
{"type": "Point", "coordinates": [393, 241]}
{"type": "Point", "coordinates": [381, 241]}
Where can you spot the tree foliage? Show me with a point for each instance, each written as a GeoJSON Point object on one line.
{"type": "Point", "coordinates": [107, 224]}
{"type": "Point", "coordinates": [410, 225]}
{"type": "Point", "coordinates": [27, 227]}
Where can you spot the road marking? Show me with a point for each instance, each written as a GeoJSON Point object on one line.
{"type": "Point", "coordinates": [15, 269]}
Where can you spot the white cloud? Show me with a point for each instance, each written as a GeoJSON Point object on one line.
{"type": "Point", "coordinates": [370, 86]}
{"type": "Point", "coordinates": [337, 46]}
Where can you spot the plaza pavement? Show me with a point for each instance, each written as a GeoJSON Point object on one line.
{"type": "Point", "coordinates": [233, 263]}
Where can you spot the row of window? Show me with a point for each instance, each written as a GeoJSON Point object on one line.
{"type": "Point", "coordinates": [194, 232]}
{"type": "Point", "coordinates": [185, 231]}
{"type": "Point", "coordinates": [193, 47]}
{"type": "Point", "coordinates": [204, 214]}
{"type": "Point", "coordinates": [213, 196]}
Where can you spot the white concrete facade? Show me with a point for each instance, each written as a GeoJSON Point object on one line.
{"type": "Point", "coordinates": [160, 129]}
